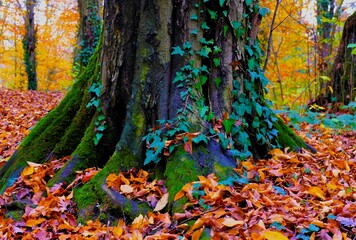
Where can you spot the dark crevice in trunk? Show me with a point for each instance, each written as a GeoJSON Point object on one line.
{"type": "Point", "coordinates": [179, 31]}
{"type": "Point", "coordinates": [119, 83]}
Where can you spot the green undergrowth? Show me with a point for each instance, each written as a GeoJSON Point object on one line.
{"type": "Point", "coordinates": [345, 119]}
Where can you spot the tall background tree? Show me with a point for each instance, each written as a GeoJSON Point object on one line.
{"type": "Point", "coordinates": [343, 74]}
{"type": "Point", "coordinates": [29, 45]}
{"type": "Point", "coordinates": [182, 75]}
{"type": "Point", "coordinates": [88, 32]}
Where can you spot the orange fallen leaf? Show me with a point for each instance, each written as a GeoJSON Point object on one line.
{"type": "Point", "coordinates": [179, 195]}
{"type": "Point", "coordinates": [35, 222]}
{"type": "Point", "coordinates": [316, 191]}
{"type": "Point", "coordinates": [196, 235]}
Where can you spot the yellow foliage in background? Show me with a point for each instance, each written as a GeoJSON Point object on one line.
{"type": "Point", "coordinates": [293, 59]}
{"type": "Point", "coordinates": [56, 26]}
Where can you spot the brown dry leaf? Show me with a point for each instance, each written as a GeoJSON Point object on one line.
{"type": "Point", "coordinates": [162, 202]}
{"type": "Point", "coordinates": [126, 189]}
{"type": "Point", "coordinates": [230, 222]}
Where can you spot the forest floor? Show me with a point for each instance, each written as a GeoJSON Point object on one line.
{"type": "Point", "coordinates": [289, 196]}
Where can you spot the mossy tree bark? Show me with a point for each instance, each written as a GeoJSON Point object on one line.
{"type": "Point", "coordinates": [343, 74]}
{"type": "Point", "coordinates": [209, 86]}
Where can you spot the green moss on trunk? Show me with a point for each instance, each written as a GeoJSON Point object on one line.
{"type": "Point", "coordinates": [42, 142]}
{"type": "Point", "coordinates": [287, 138]}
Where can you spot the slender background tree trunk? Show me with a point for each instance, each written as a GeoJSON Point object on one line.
{"type": "Point", "coordinates": [29, 45]}
{"type": "Point", "coordinates": [343, 75]}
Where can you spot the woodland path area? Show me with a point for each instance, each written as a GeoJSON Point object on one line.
{"type": "Point", "coordinates": [290, 196]}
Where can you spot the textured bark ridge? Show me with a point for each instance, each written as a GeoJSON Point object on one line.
{"type": "Point", "coordinates": [343, 75]}
{"type": "Point", "coordinates": [137, 70]}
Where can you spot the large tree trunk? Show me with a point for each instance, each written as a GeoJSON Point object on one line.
{"type": "Point", "coordinates": [343, 75]}
{"type": "Point", "coordinates": [29, 45]}
{"type": "Point", "coordinates": [208, 90]}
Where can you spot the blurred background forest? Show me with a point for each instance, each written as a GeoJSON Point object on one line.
{"type": "Point", "coordinates": [300, 39]}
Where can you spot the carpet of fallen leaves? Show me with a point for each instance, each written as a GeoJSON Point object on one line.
{"type": "Point", "coordinates": [289, 196]}
{"type": "Point", "coordinates": [19, 111]}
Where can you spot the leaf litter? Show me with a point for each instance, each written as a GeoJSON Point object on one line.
{"type": "Point", "coordinates": [288, 196]}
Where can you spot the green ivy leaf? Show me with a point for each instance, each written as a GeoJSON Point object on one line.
{"type": "Point", "coordinates": [217, 50]}
{"type": "Point", "coordinates": [258, 109]}
{"type": "Point", "coordinates": [217, 81]}
{"type": "Point", "coordinates": [101, 117]}
{"type": "Point", "coordinates": [222, 2]}
{"type": "Point", "coordinates": [187, 45]}
{"type": "Point", "coordinates": [205, 26]}
{"type": "Point", "coordinates": [251, 63]}
{"type": "Point", "coordinates": [248, 2]}
{"type": "Point", "coordinates": [101, 128]}
{"type": "Point", "coordinates": [263, 11]}
{"type": "Point", "coordinates": [151, 156]}
{"type": "Point", "coordinates": [204, 41]}
{"type": "Point", "coordinates": [213, 14]}
{"type": "Point", "coordinates": [216, 62]}
{"type": "Point", "coordinates": [228, 123]}
{"type": "Point", "coordinates": [204, 52]}
{"type": "Point", "coordinates": [249, 50]}
{"type": "Point", "coordinates": [200, 138]}
{"type": "Point", "coordinates": [97, 138]}
{"type": "Point", "coordinates": [203, 110]}
{"type": "Point", "coordinates": [194, 17]}
{"type": "Point", "coordinates": [225, 30]}
{"type": "Point", "coordinates": [194, 31]}
{"type": "Point", "coordinates": [178, 51]}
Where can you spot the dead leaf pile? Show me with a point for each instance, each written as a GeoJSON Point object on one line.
{"type": "Point", "coordinates": [19, 111]}
{"type": "Point", "coordinates": [49, 213]}
{"type": "Point", "coordinates": [289, 196]}
{"type": "Point", "coordinates": [135, 184]}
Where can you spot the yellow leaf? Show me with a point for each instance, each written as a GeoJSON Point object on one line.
{"type": "Point", "coordinates": [312, 237]}
{"type": "Point", "coordinates": [331, 89]}
{"type": "Point", "coordinates": [162, 202]}
{"type": "Point", "coordinates": [230, 222]}
{"type": "Point", "coordinates": [28, 171]}
{"type": "Point", "coordinates": [126, 189]}
{"type": "Point", "coordinates": [273, 235]}
{"type": "Point", "coordinates": [276, 151]}
{"type": "Point", "coordinates": [118, 231]}
{"type": "Point", "coordinates": [248, 165]}
{"type": "Point", "coordinates": [316, 191]}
